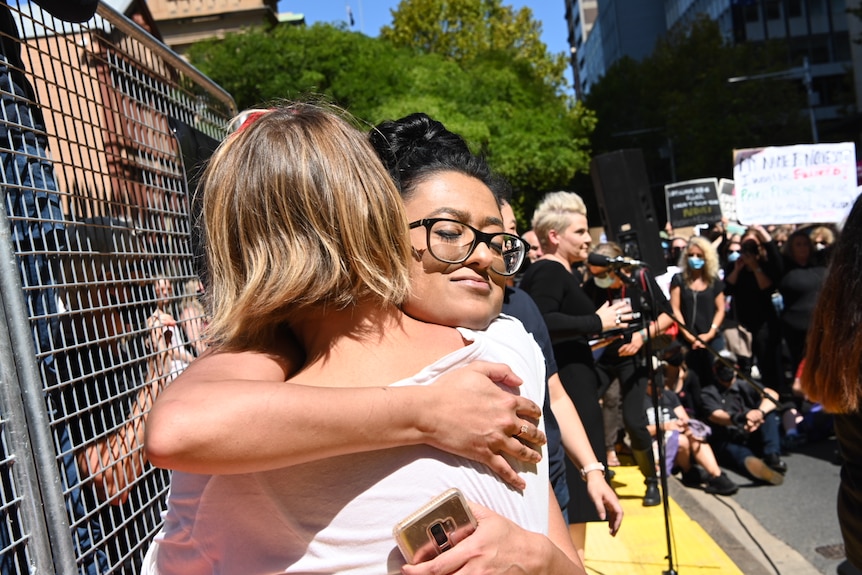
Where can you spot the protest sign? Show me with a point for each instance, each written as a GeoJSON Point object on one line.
{"type": "Point", "coordinates": [693, 202]}
{"type": "Point", "coordinates": [727, 198]}
{"type": "Point", "coordinates": [795, 184]}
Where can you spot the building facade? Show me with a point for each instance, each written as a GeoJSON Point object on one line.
{"type": "Point", "coordinates": [819, 32]}
{"type": "Point", "coordinates": [184, 22]}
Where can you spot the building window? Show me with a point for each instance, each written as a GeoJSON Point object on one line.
{"type": "Point", "coordinates": [773, 10]}
{"type": "Point", "coordinates": [752, 14]}
{"type": "Point", "coordinates": [794, 8]}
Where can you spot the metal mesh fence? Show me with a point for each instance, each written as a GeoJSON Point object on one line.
{"type": "Point", "coordinates": [101, 132]}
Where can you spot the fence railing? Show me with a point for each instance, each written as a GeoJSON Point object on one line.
{"type": "Point", "coordinates": [102, 131]}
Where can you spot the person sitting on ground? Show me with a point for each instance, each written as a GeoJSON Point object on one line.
{"type": "Point", "coordinates": [693, 455]}
{"type": "Point", "coordinates": [745, 423]}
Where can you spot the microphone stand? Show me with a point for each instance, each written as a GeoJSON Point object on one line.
{"type": "Point", "coordinates": [649, 312]}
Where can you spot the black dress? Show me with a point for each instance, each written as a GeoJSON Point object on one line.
{"type": "Point", "coordinates": [571, 319]}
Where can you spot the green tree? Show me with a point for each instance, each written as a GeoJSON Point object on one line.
{"type": "Point", "coordinates": [462, 30]}
{"type": "Point", "coordinates": [527, 129]}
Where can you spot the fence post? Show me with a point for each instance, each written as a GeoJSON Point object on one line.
{"type": "Point", "coordinates": [31, 437]}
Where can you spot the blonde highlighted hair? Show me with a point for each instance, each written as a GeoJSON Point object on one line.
{"type": "Point", "coordinates": [555, 212]}
{"type": "Point", "coordinates": [298, 215]}
{"type": "Point", "coordinates": [710, 256]}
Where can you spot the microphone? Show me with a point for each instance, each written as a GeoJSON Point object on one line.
{"type": "Point", "coordinates": [601, 261]}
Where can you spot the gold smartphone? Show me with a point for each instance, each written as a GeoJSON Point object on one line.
{"type": "Point", "coordinates": [434, 528]}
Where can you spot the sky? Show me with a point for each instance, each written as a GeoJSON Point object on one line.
{"type": "Point", "coordinates": [371, 15]}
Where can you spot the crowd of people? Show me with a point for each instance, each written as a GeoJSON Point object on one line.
{"type": "Point", "coordinates": [417, 314]}
{"type": "Point", "coordinates": [741, 305]}
{"type": "Point", "coordinates": [364, 275]}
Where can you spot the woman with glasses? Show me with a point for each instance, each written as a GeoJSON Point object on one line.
{"type": "Point", "coordinates": [309, 249]}
{"type": "Point", "coordinates": [560, 222]}
{"type": "Point", "coordinates": [697, 299]}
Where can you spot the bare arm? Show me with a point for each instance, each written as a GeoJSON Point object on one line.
{"type": "Point", "coordinates": [193, 426]}
{"type": "Point", "coordinates": [577, 446]}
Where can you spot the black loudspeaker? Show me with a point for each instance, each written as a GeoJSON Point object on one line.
{"type": "Point", "coordinates": [624, 197]}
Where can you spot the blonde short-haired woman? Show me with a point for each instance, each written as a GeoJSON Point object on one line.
{"type": "Point", "coordinates": [560, 222]}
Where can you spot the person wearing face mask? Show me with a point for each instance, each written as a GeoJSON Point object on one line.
{"type": "Point", "coordinates": [623, 359]}
{"type": "Point", "coordinates": [697, 299]}
{"type": "Point", "coordinates": [745, 424]}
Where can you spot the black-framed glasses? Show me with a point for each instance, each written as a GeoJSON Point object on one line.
{"type": "Point", "coordinates": [452, 242]}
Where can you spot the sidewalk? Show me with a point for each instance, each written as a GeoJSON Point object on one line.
{"type": "Point", "coordinates": [699, 542]}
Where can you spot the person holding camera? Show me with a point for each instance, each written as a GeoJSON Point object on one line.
{"type": "Point", "coordinates": [623, 359]}
{"type": "Point", "coordinates": [751, 283]}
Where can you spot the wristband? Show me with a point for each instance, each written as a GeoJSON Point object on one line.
{"type": "Point", "coordinates": [713, 326]}
{"type": "Point", "coordinates": [597, 466]}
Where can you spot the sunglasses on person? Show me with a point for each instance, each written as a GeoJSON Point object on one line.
{"type": "Point", "coordinates": [452, 242]}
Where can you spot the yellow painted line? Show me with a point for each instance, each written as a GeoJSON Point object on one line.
{"type": "Point", "coordinates": [641, 544]}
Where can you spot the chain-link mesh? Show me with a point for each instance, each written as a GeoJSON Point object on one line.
{"type": "Point", "coordinates": [101, 132]}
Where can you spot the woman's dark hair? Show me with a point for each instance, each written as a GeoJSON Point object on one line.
{"type": "Point", "coordinates": [833, 361]}
{"type": "Point", "coordinates": [417, 146]}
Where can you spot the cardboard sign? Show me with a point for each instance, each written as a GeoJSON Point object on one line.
{"type": "Point", "coordinates": [806, 183]}
{"type": "Point", "coordinates": [693, 202]}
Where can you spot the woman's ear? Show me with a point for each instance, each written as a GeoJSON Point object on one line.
{"type": "Point", "coordinates": [553, 237]}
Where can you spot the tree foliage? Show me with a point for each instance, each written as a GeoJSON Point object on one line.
{"type": "Point", "coordinates": [507, 108]}
{"type": "Point", "coordinates": [462, 30]}
{"type": "Point", "coordinates": [677, 105]}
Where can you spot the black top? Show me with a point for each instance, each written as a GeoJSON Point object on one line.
{"type": "Point", "coordinates": [640, 300]}
{"type": "Point", "coordinates": [518, 304]}
{"type": "Point", "coordinates": [667, 402]}
{"type": "Point", "coordinates": [698, 307]}
{"type": "Point", "coordinates": [568, 311]}
{"type": "Point", "coordinates": [739, 398]}
{"type": "Point", "coordinates": [799, 287]}
{"type": "Point", "coordinates": [752, 305]}
{"type": "Point", "coordinates": [848, 431]}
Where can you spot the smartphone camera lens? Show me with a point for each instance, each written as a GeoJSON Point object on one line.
{"type": "Point", "coordinates": [439, 534]}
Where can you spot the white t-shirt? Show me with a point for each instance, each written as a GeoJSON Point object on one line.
{"type": "Point", "coordinates": [664, 279]}
{"type": "Point", "coordinates": [337, 515]}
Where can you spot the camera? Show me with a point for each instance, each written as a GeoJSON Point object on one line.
{"type": "Point", "coordinates": [435, 527]}
{"type": "Point", "coordinates": [751, 248]}
{"type": "Point", "coordinates": [441, 533]}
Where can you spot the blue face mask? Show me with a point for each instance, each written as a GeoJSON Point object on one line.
{"type": "Point", "coordinates": [696, 263]}
{"type": "Point", "coordinates": [604, 282]}
{"type": "Point", "coordinates": [732, 256]}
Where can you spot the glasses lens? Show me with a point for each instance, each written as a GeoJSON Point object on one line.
{"type": "Point", "coordinates": [450, 241]}
{"type": "Point", "coordinates": [453, 242]}
{"type": "Point", "coordinates": [509, 252]}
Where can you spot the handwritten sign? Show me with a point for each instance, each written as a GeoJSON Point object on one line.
{"type": "Point", "coordinates": [804, 183]}
{"type": "Point", "coordinates": [693, 202]}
